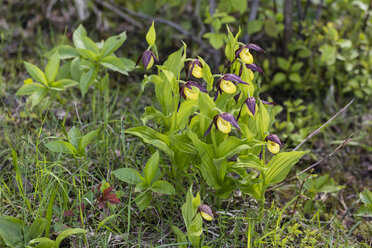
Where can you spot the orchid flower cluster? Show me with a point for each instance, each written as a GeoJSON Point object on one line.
{"type": "Point", "coordinates": [214, 123]}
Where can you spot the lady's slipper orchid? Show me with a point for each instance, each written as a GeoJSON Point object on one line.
{"type": "Point", "coordinates": [187, 92]}
{"type": "Point", "coordinates": [251, 104]}
{"type": "Point", "coordinates": [254, 67]}
{"type": "Point", "coordinates": [194, 68]}
{"type": "Point", "coordinates": [225, 84]}
{"type": "Point", "coordinates": [147, 59]}
{"type": "Point", "coordinates": [274, 143]}
{"type": "Point", "coordinates": [206, 212]}
{"type": "Point", "coordinates": [244, 53]}
{"type": "Point", "coordinates": [223, 123]}
{"type": "Point", "coordinates": [251, 67]}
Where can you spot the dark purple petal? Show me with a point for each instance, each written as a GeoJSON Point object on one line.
{"type": "Point", "coordinates": [146, 58]}
{"type": "Point", "coordinates": [274, 138]}
{"type": "Point", "coordinates": [188, 69]}
{"type": "Point", "coordinates": [240, 70]}
{"type": "Point", "coordinates": [254, 67]}
{"type": "Point", "coordinates": [238, 51]}
{"type": "Point", "coordinates": [240, 111]}
{"type": "Point", "coordinates": [268, 103]}
{"type": "Point", "coordinates": [230, 118]}
{"type": "Point", "coordinates": [138, 60]}
{"type": "Point", "coordinates": [192, 83]}
{"type": "Point", "coordinates": [182, 87]}
{"type": "Point", "coordinates": [215, 96]}
{"type": "Point", "coordinates": [254, 47]}
{"type": "Point", "coordinates": [197, 61]}
{"type": "Point", "coordinates": [209, 129]}
{"type": "Point", "coordinates": [251, 104]}
{"type": "Point", "coordinates": [233, 77]}
{"type": "Point", "coordinates": [155, 58]}
{"type": "Point", "coordinates": [236, 97]}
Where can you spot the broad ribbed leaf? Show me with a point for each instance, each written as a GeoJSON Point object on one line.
{"type": "Point", "coordinates": [87, 79]}
{"type": "Point", "coordinates": [186, 109]}
{"type": "Point", "coordinates": [77, 36]}
{"type": "Point", "coordinates": [61, 146]}
{"type": "Point", "coordinates": [64, 52]}
{"type": "Point", "coordinates": [163, 187]}
{"type": "Point", "coordinates": [28, 89]}
{"type": "Point", "coordinates": [113, 43]}
{"type": "Point", "coordinates": [86, 139]}
{"type": "Point", "coordinates": [68, 232]}
{"type": "Point", "coordinates": [37, 74]}
{"type": "Point", "coordinates": [11, 231]}
{"type": "Point", "coordinates": [152, 137]}
{"type": "Point", "coordinates": [115, 64]}
{"type": "Point", "coordinates": [151, 167]}
{"type": "Point", "coordinates": [37, 228]}
{"type": "Point", "coordinates": [51, 70]}
{"type": "Point", "coordinates": [128, 175]}
{"type": "Point", "coordinates": [280, 165]}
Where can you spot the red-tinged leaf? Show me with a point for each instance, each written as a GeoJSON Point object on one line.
{"type": "Point", "coordinates": [68, 213]}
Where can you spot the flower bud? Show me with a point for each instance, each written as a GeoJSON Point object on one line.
{"type": "Point", "coordinates": [148, 59]}
{"type": "Point", "coordinates": [206, 212]}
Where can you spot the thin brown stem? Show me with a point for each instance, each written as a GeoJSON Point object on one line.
{"type": "Point", "coordinates": [325, 124]}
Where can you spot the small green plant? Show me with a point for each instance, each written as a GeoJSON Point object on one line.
{"type": "Point", "coordinates": [193, 212]}
{"type": "Point", "coordinates": [366, 198]}
{"type": "Point", "coordinates": [45, 82]}
{"type": "Point", "coordinates": [87, 65]}
{"type": "Point", "coordinates": [149, 182]}
{"type": "Point", "coordinates": [14, 233]}
{"type": "Point", "coordinates": [315, 186]}
{"type": "Point", "coordinates": [75, 144]}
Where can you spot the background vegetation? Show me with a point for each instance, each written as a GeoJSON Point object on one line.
{"type": "Point", "coordinates": [317, 58]}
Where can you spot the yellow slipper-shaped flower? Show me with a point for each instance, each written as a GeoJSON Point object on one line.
{"type": "Point", "coordinates": [246, 56]}
{"type": "Point", "coordinates": [228, 86]}
{"type": "Point", "coordinates": [223, 122]}
{"type": "Point", "coordinates": [274, 143]}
